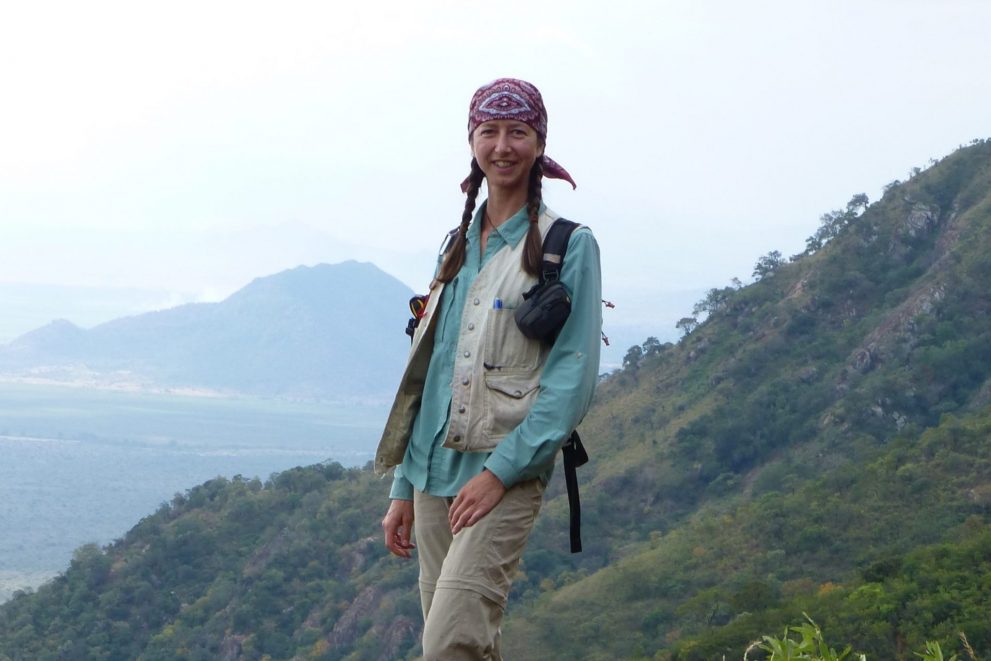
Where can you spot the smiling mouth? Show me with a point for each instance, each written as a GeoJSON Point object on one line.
{"type": "Point", "coordinates": [502, 164]}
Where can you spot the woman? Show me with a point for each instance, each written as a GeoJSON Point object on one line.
{"type": "Point", "coordinates": [482, 409]}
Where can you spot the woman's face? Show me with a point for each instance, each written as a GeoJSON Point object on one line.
{"type": "Point", "coordinates": [506, 151]}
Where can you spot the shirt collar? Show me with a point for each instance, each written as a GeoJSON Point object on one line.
{"type": "Point", "coordinates": [512, 231]}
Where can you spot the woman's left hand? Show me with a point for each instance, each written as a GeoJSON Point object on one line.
{"type": "Point", "coordinates": [475, 500]}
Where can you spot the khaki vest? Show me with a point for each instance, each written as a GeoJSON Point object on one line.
{"type": "Point", "coordinates": [496, 369]}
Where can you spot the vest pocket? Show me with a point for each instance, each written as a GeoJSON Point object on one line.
{"type": "Point", "coordinates": [508, 398]}
{"type": "Point", "coordinates": [506, 348]}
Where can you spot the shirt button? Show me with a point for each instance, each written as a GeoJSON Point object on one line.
{"type": "Point", "coordinates": [461, 409]}
{"type": "Point", "coordinates": [476, 301]}
{"type": "Point", "coordinates": [467, 354]}
{"type": "Point", "coordinates": [471, 326]}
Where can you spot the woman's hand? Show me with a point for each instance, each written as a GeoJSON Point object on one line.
{"type": "Point", "coordinates": [398, 528]}
{"type": "Point", "coordinates": [475, 500]}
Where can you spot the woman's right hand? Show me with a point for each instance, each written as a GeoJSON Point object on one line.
{"type": "Point", "coordinates": [398, 528]}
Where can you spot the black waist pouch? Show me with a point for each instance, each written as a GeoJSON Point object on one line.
{"type": "Point", "coordinates": [544, 310]}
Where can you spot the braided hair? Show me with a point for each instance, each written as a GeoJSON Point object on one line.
{"type": "Point", "coordinates": [532, 249]}
{"type": "Point", "coordinates": [456, 255]}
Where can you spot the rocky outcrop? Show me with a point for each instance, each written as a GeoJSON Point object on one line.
{"type": "Point", "coordinates": [347, 628]}
{"type": "Point", "coordinates": [921, 219]}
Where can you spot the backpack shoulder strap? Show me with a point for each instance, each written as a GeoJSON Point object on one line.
{"type": "Point", "coordinates": [555, 247]}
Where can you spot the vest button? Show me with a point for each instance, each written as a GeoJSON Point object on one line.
{"type": "Point", "coordinates": [518, 393]}
{"type": "Point", "coordinates": [476, 301]}
{"type": "Point", "coordinates": [471, 326]}
{"type": "Point", "coordinates": [457, 439]}
{"type": "Point", "coordinates": [461, 409]}
{"type": "Point", "coordinates": [467, 354]}
{"type": "Point", "coordinates": [464, 381]}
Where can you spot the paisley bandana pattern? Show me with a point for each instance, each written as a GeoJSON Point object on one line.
{"type": "Point", "coordinates": [511, 98]}
{"type": "Point", "coordinates": [508, 98]}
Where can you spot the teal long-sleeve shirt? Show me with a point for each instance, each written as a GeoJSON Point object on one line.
{"type": "Point", "coordinates": [566, 382]}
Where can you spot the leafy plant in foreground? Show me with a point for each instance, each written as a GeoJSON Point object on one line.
{"type": "Point", "coordinates": [811, 645]}
{"type": "Point", "coordinates": [934, 652]}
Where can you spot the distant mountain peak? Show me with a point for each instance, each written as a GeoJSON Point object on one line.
{"type": "Point", "coordinates": [327, 330]}
{"type": "Point", "coordinates": [58, 328]}
{"type": "Point", "coordinates": [303, 279]}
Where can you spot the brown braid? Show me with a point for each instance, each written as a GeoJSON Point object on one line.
{"type": "Point", "coordinates": [456, 255]}
{"type": "Point", "coordinates": [533, 251]}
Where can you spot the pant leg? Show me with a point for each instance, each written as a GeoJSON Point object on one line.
{"type": "Point", "coordinates": [432, 530]}
{"type": "Point", "coordinates": [473, 586]}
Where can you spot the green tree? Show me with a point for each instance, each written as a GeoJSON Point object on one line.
{"type": "Point", "coordinates": [652, 346]}
{"type": "Point", "coordinates": [768, 264]}
{"type": "Point", "coordinates": [633, 357]}
{"type": "Point", "coordinates": [686, 325]}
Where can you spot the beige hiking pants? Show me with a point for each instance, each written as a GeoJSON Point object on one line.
{"type": "Point", "coordinates": [465, 579]}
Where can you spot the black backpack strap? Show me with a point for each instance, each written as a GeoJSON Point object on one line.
{"type": "Point", "coordinates": [574, 456]}
{"type": "Point", "coordinates": [555, 248]}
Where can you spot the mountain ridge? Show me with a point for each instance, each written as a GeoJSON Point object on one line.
{"type": "Point", "coordinates": [292, 333]}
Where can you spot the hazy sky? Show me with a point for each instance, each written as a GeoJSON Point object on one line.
{"type": "Point", "coordinates": [187, 147]}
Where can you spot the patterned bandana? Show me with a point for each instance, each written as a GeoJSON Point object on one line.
{"type": "Point", "coordinates": [511, 98]}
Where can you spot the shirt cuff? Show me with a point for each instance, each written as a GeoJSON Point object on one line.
{"type": "Point", "coordinates": [503, 469]}
{"type": "Point", "coordinates": [402, 489]}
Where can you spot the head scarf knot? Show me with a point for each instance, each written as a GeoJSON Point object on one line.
{"type": "Point", "coordinates": [511, 98]}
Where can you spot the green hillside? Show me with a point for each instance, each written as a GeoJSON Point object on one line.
{"type": "Point", "coordinates": [232, 569]}
{"type": "Point", "coordinates": [818, 443]}
{"type": "Point", "coordinates": [788, 440]}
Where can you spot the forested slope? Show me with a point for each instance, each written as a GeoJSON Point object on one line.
{"type": "Point", "coordinates": [232, 569]}
{"type": "Point", "coordinates": [782, 445]}
{"type": "Point", "coordinates": [818, 442]}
